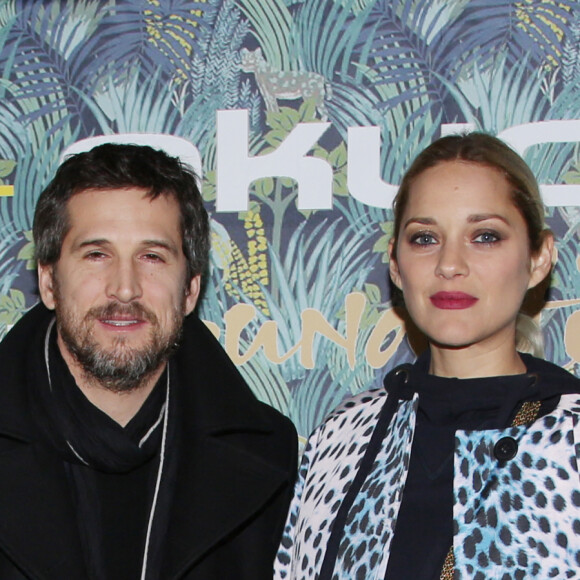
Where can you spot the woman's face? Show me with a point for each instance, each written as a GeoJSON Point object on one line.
{"type": "Point", "coordinates": [463, 259]}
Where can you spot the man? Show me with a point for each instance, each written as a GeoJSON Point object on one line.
{"type": "Point", "coordinates": [130, 447]}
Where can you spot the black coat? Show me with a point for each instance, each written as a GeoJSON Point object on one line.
{"type": "Point", "coordinates": [234, 481]}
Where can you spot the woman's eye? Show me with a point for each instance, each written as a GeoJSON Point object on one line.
{"type": "Point", "coordinates": [423, 239]}
{"type": "Point", "coordinates": [487, 238]}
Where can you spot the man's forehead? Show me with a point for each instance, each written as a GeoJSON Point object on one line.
{"type": "Point", "coordinates": [114, 191]}
{"type": "Point", "coordinates": [123, 196]}
{"type": "Point", "coordinates": [130, 209]}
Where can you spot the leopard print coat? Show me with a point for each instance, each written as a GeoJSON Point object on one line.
{"type": "Point", "coordinates": [514, 517]}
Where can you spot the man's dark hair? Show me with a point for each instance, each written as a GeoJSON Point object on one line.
{"type": "Point", "coordinates": [117, 166]}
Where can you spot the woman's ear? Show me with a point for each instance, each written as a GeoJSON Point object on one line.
{"type": "Point", "coordinates": [541, 262]}
{"type": "Point", "coordinates": [393, 265]}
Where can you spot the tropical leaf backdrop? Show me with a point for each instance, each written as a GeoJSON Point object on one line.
{"type": "Point", "coordinates": [299, 297]}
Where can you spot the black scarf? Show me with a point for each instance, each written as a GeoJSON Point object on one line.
{"type": "Point", "coordinates": [90, 441]}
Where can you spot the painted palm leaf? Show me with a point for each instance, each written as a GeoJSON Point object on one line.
{"type": "Point", "coordinates": [153, 34]}
{"type": "Point", "coordinates": [271, 22]}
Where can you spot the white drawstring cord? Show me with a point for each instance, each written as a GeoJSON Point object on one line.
{"type": "Point", "coordinates": [158, 482]}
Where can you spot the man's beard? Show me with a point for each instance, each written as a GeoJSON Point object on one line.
{"type": "Point", "coordinates": [119, 368]}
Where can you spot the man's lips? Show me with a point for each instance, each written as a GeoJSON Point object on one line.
{"type": "Point", "coordinates": [121, 322]}
{"type": "Point", "coordinates": [122, 317]}
{"type": "Point", "coordinates": [452, 300]}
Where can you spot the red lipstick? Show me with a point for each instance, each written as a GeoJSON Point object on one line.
{"type": "Point", "coordinates": [453, 300]}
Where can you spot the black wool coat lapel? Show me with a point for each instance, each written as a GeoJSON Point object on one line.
{"type": "Point", "coordinates": [236, 472]}
{"type": "Point", "coordinates": [38, 530]}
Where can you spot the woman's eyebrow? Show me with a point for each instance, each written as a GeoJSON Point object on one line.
{"type": "Point", "coordinates": [420, 220]}
{"type": "Point", "coordinates": [481, 217]}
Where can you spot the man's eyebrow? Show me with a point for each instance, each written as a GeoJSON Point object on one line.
{"type": "Point", "coordinates": [95, 242]}
{"type": "Point", "coordinates": [101, 242]}
{"type": "Point", "coordinates": [169, 246]}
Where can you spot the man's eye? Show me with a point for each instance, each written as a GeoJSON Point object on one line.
{"type": "Point", "coordinates": [153, 257]}
{"type": "Point", "coordinates": [95, 255]}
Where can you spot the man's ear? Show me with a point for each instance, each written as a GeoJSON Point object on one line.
{"type": "Point", "coordinates": [46, 285]}
{"type": "Point", "coordinates": [541, 262]}
{"type": "Point", "coordinates": [393, 265]}
{"type": "Point", "coordinates": [192, 294]}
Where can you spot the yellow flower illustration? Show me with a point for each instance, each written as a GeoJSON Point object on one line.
{"type": "Point", "coordinates": [166, 30]}
{"type": "Point", "coordinates": [531, 14]}
{"type": "Point", "coordinates": [239, 272]}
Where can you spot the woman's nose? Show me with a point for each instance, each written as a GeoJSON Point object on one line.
{"type": "Point", "coordinates": [452, 261]}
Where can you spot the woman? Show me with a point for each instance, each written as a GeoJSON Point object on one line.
{"type": "Point", "coordinates": [464, 466]}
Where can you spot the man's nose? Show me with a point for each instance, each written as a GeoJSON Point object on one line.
{"type": "Point", "coordinates": [452, 260]}
{"type": "Point", "coordinates": [124, 282]}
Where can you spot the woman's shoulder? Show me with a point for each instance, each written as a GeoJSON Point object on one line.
{"type": "Point", "coordinates": [550, 373]}
{"type": "Point", "coordinates": [570, 403]}
{"type": "Point", "coordinates": [369, 402]}
{"type": "Point", "coordinates": [364, 403]}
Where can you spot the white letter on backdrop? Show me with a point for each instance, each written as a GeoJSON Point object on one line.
{"type": "Point", "coordinates": [236, 169]}
{"type": "Point", "coordinates": [364, 168]}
